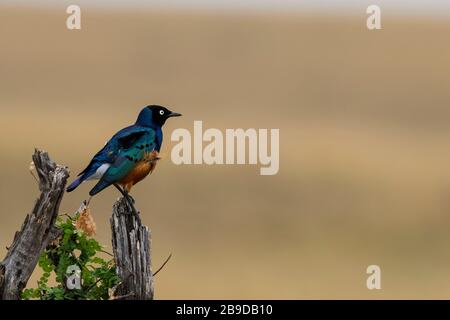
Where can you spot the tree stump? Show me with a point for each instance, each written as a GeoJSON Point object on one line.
{"type": "Point", "coordinates": [132, 253]}
{"type": "Point", "coordinates": [37, 230]}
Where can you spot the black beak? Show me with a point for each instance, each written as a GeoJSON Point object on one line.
{"type": "Point", "coordinates": [174, 114]}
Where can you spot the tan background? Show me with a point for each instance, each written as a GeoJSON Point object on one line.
{"type": "Point", "coordinates": [364, 159]}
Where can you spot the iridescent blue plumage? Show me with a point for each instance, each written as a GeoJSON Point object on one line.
{"type": "Point", "coordinates": [126, 149]}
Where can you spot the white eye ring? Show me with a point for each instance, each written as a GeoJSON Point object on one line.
{"type": "Point", "coordinates": [161, 112]}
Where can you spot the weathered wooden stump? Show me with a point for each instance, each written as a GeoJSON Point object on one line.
{"type": "Point", "coordinates": [132, 253]}
{"type": "Point", "coordinates": [37, 229]}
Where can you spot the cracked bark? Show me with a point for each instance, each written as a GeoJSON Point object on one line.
{"type": "Point", "coordinates": [36, 231]}
{"type": "Point", "coordinates": [131, 246]}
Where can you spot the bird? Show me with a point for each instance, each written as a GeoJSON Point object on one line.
{"type": "Point", "coordinates": [130, 155]}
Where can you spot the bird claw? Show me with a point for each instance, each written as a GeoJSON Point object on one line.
{"type": "Point", "coordinates": [131, 198]}
{"type": "Point", "coordinates": [131, 202]}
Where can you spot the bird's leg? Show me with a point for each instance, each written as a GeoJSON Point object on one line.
{"type": "Point", "coordinates": [128, 198]}
{"type": "Point", "coordinates": [131, 203]}
{"type": "Point", "coordinates": [87, 202]}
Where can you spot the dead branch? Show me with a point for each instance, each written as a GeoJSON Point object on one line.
{"type": "Point", "coordinates": [163, 265]}
{"type": "Point", "coordinates": [37, 230]}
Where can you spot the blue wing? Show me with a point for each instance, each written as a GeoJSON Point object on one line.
{"type": "Point", "coordinates": [126, 160]}
{"type": "Point", "coordinates": [109, 153]}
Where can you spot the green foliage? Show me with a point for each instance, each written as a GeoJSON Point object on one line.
{"type": "Point", "coordinates": [73, 248]}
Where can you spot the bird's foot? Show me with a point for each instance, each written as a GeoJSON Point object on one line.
{"type": "Point", "coordinates": [128, 198]}
{"type": "Point", "coordinates": [131, 198]}
{"type": "Point", "coordinates": [131, 203]}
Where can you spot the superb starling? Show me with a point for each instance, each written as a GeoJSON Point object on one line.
{"type": "Point", "coordinates": [130, 155]}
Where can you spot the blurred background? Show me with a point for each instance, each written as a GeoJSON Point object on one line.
{"type": "Point", "coordinates": [364, 137]}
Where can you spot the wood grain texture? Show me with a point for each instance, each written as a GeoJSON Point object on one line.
{"type": "Point", "coordinates": [37, 229]}
{"type": "Point", "coordinates": [131, 243]}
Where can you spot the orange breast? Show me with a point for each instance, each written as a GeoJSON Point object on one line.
{"type": "Point", "coordinates": [140, 170]}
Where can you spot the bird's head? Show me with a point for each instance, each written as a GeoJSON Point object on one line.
{"type": "Point", "coordinates": [154, 115]}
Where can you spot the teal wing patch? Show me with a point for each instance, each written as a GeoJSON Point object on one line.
{"type": "Point", "coordinates": [127, 158]}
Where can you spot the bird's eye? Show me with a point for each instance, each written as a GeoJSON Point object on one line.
{"type": "Point", "coordinates": [161, 112]}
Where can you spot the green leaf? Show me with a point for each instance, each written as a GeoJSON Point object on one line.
{"type": "Point", "coordinates": [74, 248]}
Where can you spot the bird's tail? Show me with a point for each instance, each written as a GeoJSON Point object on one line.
{"type": "Point", "coordinates": [102, 184]}
{"type": "Point", "coordinates": [75, 184]}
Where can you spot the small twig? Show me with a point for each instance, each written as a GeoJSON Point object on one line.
{"type": "Point", "coordinates": [163, 265]}
{"type": "Point", "coordinates": [124, 296]}
{"type": "Point", "coordinates": [41, 293]}
{"type": "Point", "coordinates": [31, 172]}
{"type": "Point", "coordinates": [110, 254]}
{"type": "Point", "coordinates": [66, 214]}
{"type": "Point", "coordinates": [94, 284]}
{"type": "Point", "coordinates": [32, 167]}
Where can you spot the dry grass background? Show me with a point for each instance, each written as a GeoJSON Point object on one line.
{"type": "Point", "coordinates": [364, 128]}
